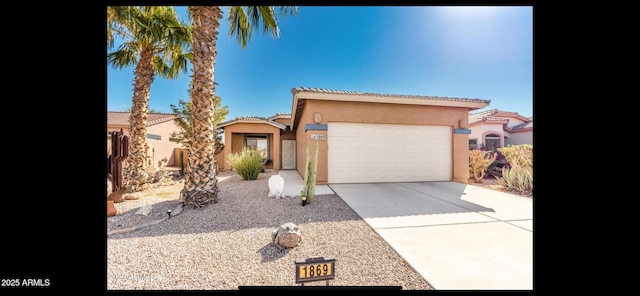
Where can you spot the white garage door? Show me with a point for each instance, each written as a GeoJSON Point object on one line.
{"type": "Point", "coordinates": [367, 153]}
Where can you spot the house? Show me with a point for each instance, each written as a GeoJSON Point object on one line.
{"type": "Point", "coordinates": [495, 128]}
{"type": "Point", "coordinates": [159, 128]}
{"type": "Point", "coordinates": [363, 137]}
{"type": "Point", "coordinates": [267, 135]}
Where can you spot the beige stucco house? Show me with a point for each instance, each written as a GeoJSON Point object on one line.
{"type": "Point", "coordinates": [495, 128]}
{"type": "Point", "coordinates": [159, 128]}
{"type": "Point", "coordinates": [363, 137]}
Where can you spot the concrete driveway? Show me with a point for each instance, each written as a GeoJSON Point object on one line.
{"type": "Point", "coordinates": [457, 236]}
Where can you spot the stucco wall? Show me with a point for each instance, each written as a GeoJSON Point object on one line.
{"type": "Point", "coordinates": [163, 147]}
{"type": "Point", "coordinates": [287, 135]}
{"type": "Point", "coordinates": [513, 121]}
{"type": "Point", "coordinates": [525, 137]}
{"type": "Point", "coordinates": [478, 131]}
{"type": "Point", "coordinates": [234, 140]}
{"type": "Point", "coordinates": [461, 158]}
{"type": "Point", "coordinates": [335, 111]}
{"type": "Point", "coordinates": [285, 121]}
{"type": "Point", "coordinates": [158, 149]}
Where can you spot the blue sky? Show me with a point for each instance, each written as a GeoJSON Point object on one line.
{"type": "Point", "coordinates": [483, 52]}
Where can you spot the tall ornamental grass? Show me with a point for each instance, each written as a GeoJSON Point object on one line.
{"type": "Point", "coordinates": [247, 163]}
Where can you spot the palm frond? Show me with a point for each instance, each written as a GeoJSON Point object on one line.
{"type": "Point", "coordinates": [291, 10]}
{"type": "Point", "coordinates": [239, 25]}
{"type": "Point", "coordinates": [265, 17]}
{"type": "Point", "coordinates": [243, 20]}
{"type": "Point", "coordinates": [125, 56]}
{"type": "Point", "coordinates": [179, 64]}
{"type": "Point", "coordinates": [156, 28]}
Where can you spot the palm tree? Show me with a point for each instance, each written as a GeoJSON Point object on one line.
{"type": "Point", "coordinates": [200, 185]}
{"type": "Point", "coordinates": [156, 41]}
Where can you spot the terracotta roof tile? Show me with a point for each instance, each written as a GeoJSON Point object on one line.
{"type": "Point", "coordinates": [122, 118]}
{"type": "Point", "coordinates": [330, 91]}
{"type": "Point", "coordinates": [488, 115]}
{"type": "Point", "coordinates": [523, 126]}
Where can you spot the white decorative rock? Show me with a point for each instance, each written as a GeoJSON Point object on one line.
{"type": "Point", "coordinates": [144, 210]}
{"type": "Point", "coordinates": [276, 185]}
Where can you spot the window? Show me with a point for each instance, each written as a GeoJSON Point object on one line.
{"type": "Point", "coordinates": [473, 144]}
{"type": "Point", "coordinates": [154, 137]}
{"type": "Point", "coordinates": [258, 143]}
{"type": "Point", "coordinates": [492, 142]}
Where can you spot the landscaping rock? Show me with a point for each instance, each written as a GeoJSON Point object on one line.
{"type": "Point", "coordinates": [288, 235]}
{"type": "Point", "coordinates": [145, 210]}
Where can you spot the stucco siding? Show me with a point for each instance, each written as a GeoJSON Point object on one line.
{"type": "Point", "coordinates": [287, 135]}
{"type": "Point", "coordinates": [284, 121]}
{"type": "Point", "coordinates": [235, 134]}
{"type": "Point", "coordinates": [525, 137]}
{"type": "Point", "coordinates": [158, 149]}
{"type": "Point", "coordinates": [362, 112]}
{"type": "Point", "coordinates": [479, 131]}
{"type": "Point", "coordinates": [461, 158]}
{"type": "Point", "coordinates": [514, 121]}
{"type": "Point", "coordinates": [162, 148]}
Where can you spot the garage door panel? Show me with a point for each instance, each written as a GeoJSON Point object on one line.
{"type": "Point", "coordinates": [363, 153]}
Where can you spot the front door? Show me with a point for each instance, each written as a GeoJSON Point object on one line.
{"type": "Point", "coordinates": [288, 154]}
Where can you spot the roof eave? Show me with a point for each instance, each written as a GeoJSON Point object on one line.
{"type": "Point", "coordinates": [274, 124]}
{"type": "Point", "coordinates": [345, 97]}
{"type": "Point", "coordinates": [524, 129]}
{"type": "Point", "coordinates": [473, 105]}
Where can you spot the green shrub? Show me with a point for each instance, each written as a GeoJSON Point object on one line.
{"type": "Point", "coordinates": [479, 161]}
{"type": "Point", "coordinates": [519, 179]}
{"type": "Point", "coordinates": [247, 163]}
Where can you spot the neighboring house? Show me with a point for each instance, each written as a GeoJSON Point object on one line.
{"type": "Point", "coordinates": [363, 137]}
{"type": "Point", "coordinates": [159, 127]}
{"type": "Point", "coordinates": [494, 128]}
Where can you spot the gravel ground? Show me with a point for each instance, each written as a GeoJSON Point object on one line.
{"type": "Point", "coordinates": [228, 244]}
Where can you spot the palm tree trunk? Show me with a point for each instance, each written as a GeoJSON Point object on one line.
{"type": "Point", "coordinates": [135, 173]}
{"type": "Point", "coordinates": [200, 185]}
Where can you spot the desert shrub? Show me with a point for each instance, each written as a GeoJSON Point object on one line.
{"type": "Point", "coordinates": [518, 155]}
{"type": "Point", "coordinates": [479, 161]}
{"type": "Point", "coordinates": [517, 178]}
{"type": "Point", "coordinates": [518, 175]}
{"type": "Point", "coordinates": [247, 163]}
